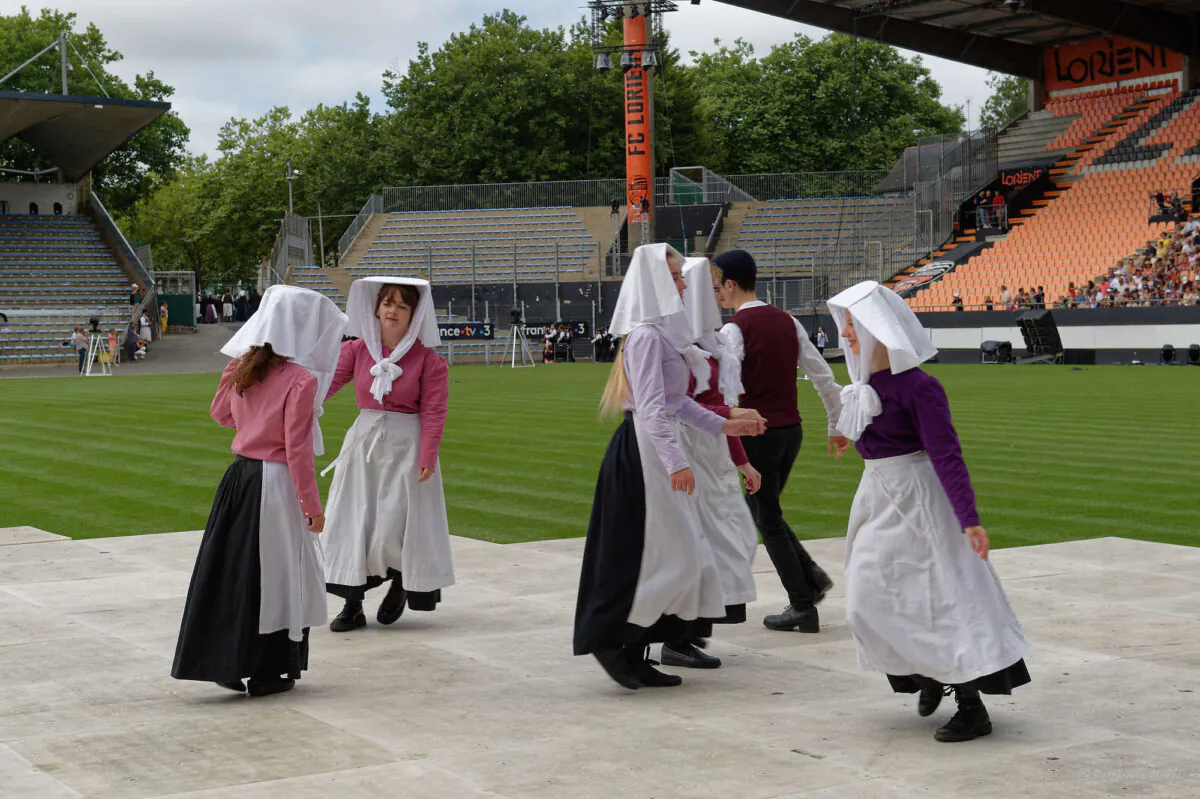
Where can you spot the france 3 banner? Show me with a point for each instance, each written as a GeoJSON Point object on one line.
{"type": "Point", "coordinates": [537, 330]}
{"type": "Point", "coordinates": [466, 331]}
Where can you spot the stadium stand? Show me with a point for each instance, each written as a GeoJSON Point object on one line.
{"type": "Point", "coordinates": [55, 273]}
{"type": "Point", "coordinates": [413, 243]}
{"type": "Point", "coordinates": [791, 237]}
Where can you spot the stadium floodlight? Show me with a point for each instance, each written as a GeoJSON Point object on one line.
{"type": "Point", "coordinates": [603, 62]}
{"type": "Point", "coordinates": [633, 12]}
{"type": "Point", "coordinates": [646, 9]}
{"type": "Point", "coordinates": [626, 61]}
{"type": "Point", "coordinates": [649, 59]}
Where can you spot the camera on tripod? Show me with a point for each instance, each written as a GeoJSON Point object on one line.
{"type": "Point", "coordinates": [516, 316]}
{"type": "Point", "coordinates": [95, 323]}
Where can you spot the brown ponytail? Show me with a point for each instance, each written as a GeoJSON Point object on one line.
{"type": "Point", "coordinates": [255, 365]}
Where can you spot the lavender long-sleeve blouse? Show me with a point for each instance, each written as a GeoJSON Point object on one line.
{"type": "Point", "coordinates": [658, 382]}
{"type": "Point", "coordinates": [916, 416]}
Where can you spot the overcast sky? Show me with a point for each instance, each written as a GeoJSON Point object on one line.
{"type": "Point", "coordinates": [230, 58]}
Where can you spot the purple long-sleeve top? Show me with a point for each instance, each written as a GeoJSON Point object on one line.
{"type": "Point", "coordinates": [915, 417]}
{"type": "Point", "coordinates": [658, 382]}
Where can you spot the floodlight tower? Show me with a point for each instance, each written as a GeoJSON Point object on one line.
{"type": "Point", "coordinates": [641, 51]}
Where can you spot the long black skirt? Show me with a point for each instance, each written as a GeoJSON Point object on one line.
{"type": "Point", "coordinates": [612, 558]}
{"type": "Point", "coordinates": [218, 638]}
{"type": "Point", "coordinates": [999, 682]}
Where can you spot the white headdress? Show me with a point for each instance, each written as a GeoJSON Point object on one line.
{"type": "Point", "coordinates": [880, 316]}
{"type": "Point", "coordinates": [301, 325]}
{"type": "Point", "coordinates": [364, 324]}
{"type": "Point", "coordinates": [649, 297]}
{"type": "Point", "coordinates": [704, 317]}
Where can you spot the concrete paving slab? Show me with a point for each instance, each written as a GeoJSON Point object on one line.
{"type": "Point", "coordinates": [27, 535]}
{"type": "Point", "coordinates": [483, 698]}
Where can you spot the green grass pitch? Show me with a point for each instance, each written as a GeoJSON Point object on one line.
{"type": "Point", "coordinates": [1055, 454]}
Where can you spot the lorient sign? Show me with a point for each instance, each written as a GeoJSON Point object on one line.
{"type": "Point", "coordinates": [1017, 178]}
{"type": "Point", "coordinates": [1099, 61]}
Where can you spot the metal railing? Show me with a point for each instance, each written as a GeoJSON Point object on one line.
{"type": "Point", "coordinates": [373, 205]}
{"type": "Point", "coordinates": [109, 227]}
{"type": "Point", "coordinates": [991, 216]}
{"type": "Point", "coordinates": [495, 196]}
{"type": "Point", "coordinates": [807, 185]}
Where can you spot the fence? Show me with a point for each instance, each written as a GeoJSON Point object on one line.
{"type": "Point", "coordinates": [948, 170]}
{"type": "Point", "coordinates": [545, 194]}
{"type": "Point", "coordinates": [293, 247]}
{"type": "Point", "coordinates": [374, 205]}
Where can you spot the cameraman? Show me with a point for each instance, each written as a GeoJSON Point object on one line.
{"type": "Point", "coordinates": [80, 342]}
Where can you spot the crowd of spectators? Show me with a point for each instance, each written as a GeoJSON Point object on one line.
{"type": "Point", "coordinates": [1166, 272]}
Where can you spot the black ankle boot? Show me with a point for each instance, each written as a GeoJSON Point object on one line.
{"type": "Point", "coordinates": [351, 617]}
{"type": "Point", "coordinates": [616, 664]}
{"type": "Point", "coordinates": [932, 692]}
{"type": "Point", "coordinates": [643, 668]}
{"type": "Point", "coordinates": [804, 620]}
{"type": "Point", "coordinates": [393, 603]}
{"type": "Point", "coordinates": [970, 722]}
{"type": "Point", "coordinates": [265, 686]}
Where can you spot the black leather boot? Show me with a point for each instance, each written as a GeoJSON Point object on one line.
{"type": "Point", "coordinates": [824, 584]}
{"type": "Point", "coordinates": [265, 686]}
{"type": "Point", "coordinates": [805, 621]}
{"type": "Point", "coordinates": [616, 663]}
{"type": "Point", "coordinates": [351, 617]}
{"type": "Point", "coordinates": [932, 692]}
{"type": "Point", "coordinates": [970, 722]}
{"type": "Point", "coordinates": [643, 668]}
{"type": "Point", "coordinates": [393, 603]}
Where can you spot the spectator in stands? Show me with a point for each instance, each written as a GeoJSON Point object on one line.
{"type": "Point", "coordinates": [131, 341]}
{"type": "Point", "coordinates": [983, 202]}
{"type": "Point", "coordinates": [1190, 296]}
{"type": "Point", "coordinates": [135, 296]}
{"type": "Point", "coordinates": [999, 217]}
{"type": "Point", "coordinates": [1006, 298]}
{"type": "Point", "coordinates": [1039, 298]}
{"type": "Point", "coordinates": [988, 303]}
{"type": "Point", "coordinates": [957, 302]}
{"type": "Point", "coordinates": [80, 342]}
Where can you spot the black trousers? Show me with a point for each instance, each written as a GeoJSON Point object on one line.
{"type": "Point", "coordinates": [773, 454]}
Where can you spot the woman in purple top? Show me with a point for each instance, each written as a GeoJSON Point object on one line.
{"type": "Point", "coordinates": [648, 573]}
{"type": "Point", "coordinates": [922, 601]}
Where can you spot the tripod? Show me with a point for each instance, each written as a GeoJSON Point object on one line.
{"type": "Point", "coordinates": [518, 347]}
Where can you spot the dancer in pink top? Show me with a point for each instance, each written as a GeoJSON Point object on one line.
{"type": "Point", "coordinates": [387, 512]}
{"type": "Point", "coordinates": [257, 587]}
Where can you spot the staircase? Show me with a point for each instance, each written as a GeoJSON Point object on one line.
{"type": "Point", "coordinates": [1026, 141]}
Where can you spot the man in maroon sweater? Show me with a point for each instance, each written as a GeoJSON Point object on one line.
{"type": "Point", "coordinates": [770, 344]}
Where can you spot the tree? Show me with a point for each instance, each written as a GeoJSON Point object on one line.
{"type": "Point", "coordinates": [152, 156]}
{"type": "Point", "coordinates": [1009, 99]}
{"type": "Point", "coordinates": [177, 221]}
{"type": "Point", "coordinates": [836, 104]}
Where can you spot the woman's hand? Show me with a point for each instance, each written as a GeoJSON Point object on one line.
{"type": "Point", "coordinates": [317, 523]}
{"type": "Point", "coordinates": [838, 446]}
{"type": "Point", "coordinates": [752, 477]}
{"type": "Point", "coordinates": [683, 480]}
{"type": "Point", "coordinates": [979, 540]}
{"type": "Point", "coordinates": [744, 427]}
{"type": "Point", "coordinates": [745, 413]}
{"type": "Point", "coordinates": [426, 473]}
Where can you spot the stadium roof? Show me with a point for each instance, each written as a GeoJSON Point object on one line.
{"type": "Point", "coordinates": [74, 133]}
{"type": "Point", "coordinates": [1002, 35]}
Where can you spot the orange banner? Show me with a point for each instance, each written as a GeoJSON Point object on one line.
{"type": "Point", "coordinates": [639, 125]}
{"type": "Point", "coordinates": [1099, 61]}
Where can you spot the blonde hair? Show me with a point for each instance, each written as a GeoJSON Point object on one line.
{"type": "Point", "coordinates": [616, 390]}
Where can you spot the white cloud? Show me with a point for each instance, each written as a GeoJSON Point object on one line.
{"type": "Point", "coordinates": [241, 57]}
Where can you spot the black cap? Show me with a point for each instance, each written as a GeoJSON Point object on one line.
{"type": "Point", "coordinates": [736, 265]}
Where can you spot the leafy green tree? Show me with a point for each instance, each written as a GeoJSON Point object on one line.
{"type": "Point", "coordinates": [1008, 100]}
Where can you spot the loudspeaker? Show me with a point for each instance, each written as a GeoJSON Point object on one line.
{"type": "Point", "coordinates": [1168, 354]}
{"type": "Point", "coordinates": [1194, 355]}
{"type": "Point", "coordinates": [1080, 357]}
{"type": "Point", "coordinates": [1040, 332]}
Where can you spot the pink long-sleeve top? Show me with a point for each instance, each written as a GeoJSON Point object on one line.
{"type": "Point", "coordinates": [274, 422]}
{"type": "Point", "coordinates": [423, 388]}
{"type": "Point", "coordinates": [712, 399]}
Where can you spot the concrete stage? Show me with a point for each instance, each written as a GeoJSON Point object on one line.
{"type": "Point", "coordinates": [483, 697]}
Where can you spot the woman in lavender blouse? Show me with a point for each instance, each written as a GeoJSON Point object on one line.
{"type": "Point", "coordinates": [648, 574]}
{"type": "Point", "coordinates": [923, 603]}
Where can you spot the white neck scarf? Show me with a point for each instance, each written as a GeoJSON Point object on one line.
{"type": "Point", "coordinates": [704, 318]}
{"type": "Point", "coordinates": [364, 324]}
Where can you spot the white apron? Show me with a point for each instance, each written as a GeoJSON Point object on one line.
{"type": "Point", "coordinates": [378, 515]}
{"type": "Point", "coordinates": [291, 581]}
{"type": "Point", "coordinates": [724, 515]}
{"type": "Point", "coordinates": [678, 575]}
{"type": "Point", "coordinates": [918, 598]}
